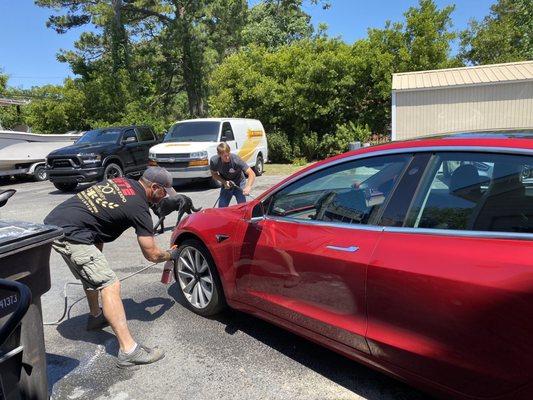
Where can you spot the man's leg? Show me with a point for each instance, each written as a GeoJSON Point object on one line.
{"type": "Point", "coordinates": [225, 197]}
{"type": "Point", "coordinates": [116, 316]}
{"type": "Point", "coordinates": [92, 299]}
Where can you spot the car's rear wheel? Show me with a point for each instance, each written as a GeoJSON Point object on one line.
{"type": "Point", "coordinates": [66, 186]}
{"type": "Point", "coordinates": [113, 170]}
{"type": "Point", "coordinates": [40, 174]}
{"type": "Point", "coordinates": [198, 280]}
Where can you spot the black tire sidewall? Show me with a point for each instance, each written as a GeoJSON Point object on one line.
{"type": "Point", "coordinates": [112, 165]}
{"type": "Point", "coordinates": [36, 174]}
{"type": "Point", "coordinates": [260, 162]}
{"type": "Point", "coordinates": [217, 302]}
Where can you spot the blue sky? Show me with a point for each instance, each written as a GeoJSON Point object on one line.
{"type": "Point", "coordinates": [28, 49]}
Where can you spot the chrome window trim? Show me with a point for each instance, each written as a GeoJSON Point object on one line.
{"type": "Point", "coordinates": [458, 233]}
{"type": "Point", "coordinates": [425, 231]}
{"type": "Point", "coordinates": [375, 228]}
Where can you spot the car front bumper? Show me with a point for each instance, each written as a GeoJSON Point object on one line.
{"type": "Point", "coordinates": [65, 175]}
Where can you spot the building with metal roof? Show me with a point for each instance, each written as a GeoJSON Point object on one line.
{"type": "Point", "coordinates": [481, 98]}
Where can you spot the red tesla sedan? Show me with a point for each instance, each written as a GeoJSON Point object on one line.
{"type": "Point", "coordinates": [415, 258]}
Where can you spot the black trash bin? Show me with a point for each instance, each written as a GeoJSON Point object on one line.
{"type": "Point", "coordinates": [24, 258]}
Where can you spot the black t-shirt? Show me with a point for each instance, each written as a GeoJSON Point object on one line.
{"type": "Point", "coordinates": [102, 212]}
{"type": "Point", "coordinates": [230, 171]}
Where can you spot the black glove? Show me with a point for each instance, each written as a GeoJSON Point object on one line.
{"type": "Point", "coordinates": [174, 253]}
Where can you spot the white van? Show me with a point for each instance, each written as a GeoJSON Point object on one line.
{"type": "Point", "coordinates": [189, 145]}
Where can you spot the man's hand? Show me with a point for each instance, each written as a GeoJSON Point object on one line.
{"type": "Point", "coordinates": [246, 191]}
{"type": "Point", "coordinates": [174, 254]}
{"type": "Point", "coordinates": [228, 184]}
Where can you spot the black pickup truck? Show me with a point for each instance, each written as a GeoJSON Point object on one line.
{"type": "Point", "coordinates": [101, 154]}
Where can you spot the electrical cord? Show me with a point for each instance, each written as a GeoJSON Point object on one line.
{"type": "Point", "coordinates": [66, 309]}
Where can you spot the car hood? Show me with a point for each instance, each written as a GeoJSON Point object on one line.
{"type": "Point", "coordinates": [82, 148]}
{"type": "Point", "coordinates": [183, 147]}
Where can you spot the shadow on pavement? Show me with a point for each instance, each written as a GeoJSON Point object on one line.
{"type": "Point", "coordinates": [353, 376]}
{"type": "Point", "coordinates": [58, 367]}
{"type": "Point", "coordinates": [74, 328]}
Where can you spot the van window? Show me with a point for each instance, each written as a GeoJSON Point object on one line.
{"type": "Point", "coordinates": [227, 132]}
{"type": "Point", "coordinates": [200, 131]}
{"type": "Point", "coordinates": [475, 191]}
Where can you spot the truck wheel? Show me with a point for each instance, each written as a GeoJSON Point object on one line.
{"type": "Point", "coordinates": [66, 186]}
{"type": "Point", "coordinates": [259, 165]}
{"type": "Point", "coordinates": [40, 174]}
{"type": "Point", "coordinates": [113, 170]}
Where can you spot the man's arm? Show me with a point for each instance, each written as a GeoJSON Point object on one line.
{"type": "Point", "coordinates": [216, 176]}
{"type": "Point", "coordinates": [151, 251]}
{"type": "Point", "coordinates": [251, 178]}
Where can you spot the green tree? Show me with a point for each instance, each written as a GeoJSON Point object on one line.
{"type": "Point", "coordinates": [505, 35]}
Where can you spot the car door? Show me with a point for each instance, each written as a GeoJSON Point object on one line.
{"type": "Point", "coordinates": [128, 149]}
{"type": "Point", "coordinates": [146, 141]}
{"type": "Point", "coordinates": [449, 287]}
{"type": "Point", "coordinates": [306, 261]}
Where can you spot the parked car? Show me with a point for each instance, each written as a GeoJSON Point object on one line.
{"type": "Point", "coordinates": [414, 258]}
{"type": "Point", "coordinates": [188, 145]}
{"type": "Point", "coordinates": [101, 154]}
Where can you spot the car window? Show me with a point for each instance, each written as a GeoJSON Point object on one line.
{"type": "Point", "coordinates": [227, 131]}
{"type": "Point", "coordinates": [100, 136]}
{"type": "Point", "coordinates": [130, 133]}
{"type": "Point", "coordinates": [351, 192]}
{"type": "Point", "coordinates": [145, 134]}
{"type": "Point", "coordinates": [476, 191]}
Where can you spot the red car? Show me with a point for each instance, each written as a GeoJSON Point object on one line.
{"type": "Point", "coordinates": [414, 258]}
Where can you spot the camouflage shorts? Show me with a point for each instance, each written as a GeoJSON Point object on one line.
{"type": "Point", "coordinates": [87, 263]}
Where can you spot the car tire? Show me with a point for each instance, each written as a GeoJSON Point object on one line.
{"type": "Point", "coordinates": [259, 165]}
{"type": "Point", "coordinates": [40, 174]}
{"type": "Point", "coordinates": [198, 282]}
{"type": "Point", "coordinates": [113, 170]}
{"type": "Point", "coordinates": [66, 186]}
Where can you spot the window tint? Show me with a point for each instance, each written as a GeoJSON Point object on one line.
{"type": "Point", "coordinates": [145, 134]}
{"type": "Point", "coordinates": [227, 131]}
{"type": "Point", "coordinates": [352, 192]}
{"type": "Point", "coordinates": [475, 191]}
{"type": "Point", "coordinates": [100, 136]}
{"type": "Point", "coordinates": [128, 134]}
{"type": "Point", "coordinates": [193, 131]}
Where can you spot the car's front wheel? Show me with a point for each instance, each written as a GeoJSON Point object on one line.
{"type": "Point", "coordinates": [198, 280]}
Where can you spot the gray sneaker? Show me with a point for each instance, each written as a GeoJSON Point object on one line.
{"type": "Point", "coordinates": [94, 323]}
{"type": "Point", "coordinates": [141, 355]}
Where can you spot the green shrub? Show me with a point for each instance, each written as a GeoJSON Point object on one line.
{"type": "Point", "coordinates": [337, 143]}
{"type": "Point", "coordinates": [279, 147]}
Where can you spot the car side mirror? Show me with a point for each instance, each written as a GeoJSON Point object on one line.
{"type": "Point", "coordinates": [223, 138]}
{"type": "Point", "coordinates": [130, 139]}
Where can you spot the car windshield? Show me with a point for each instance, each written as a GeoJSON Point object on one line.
{"type": "Point", "coordinates": [100, 136]}
{"type": "Point", "coordinates": [201, 131]}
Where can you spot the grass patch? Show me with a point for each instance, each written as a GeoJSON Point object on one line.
{"type": "Point", "coordinates": [282, 169]}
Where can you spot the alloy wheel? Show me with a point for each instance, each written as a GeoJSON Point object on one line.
{"type": "Point", "coordinates": [194, 277]}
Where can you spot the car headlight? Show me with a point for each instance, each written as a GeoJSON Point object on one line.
{"type": "Point", "coordinates": [90, 158]}
{"type": "Point", "coordinates": [199, 154]}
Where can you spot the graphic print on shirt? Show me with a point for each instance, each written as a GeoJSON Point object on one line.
{"type": "Point", "coordinates": [106, 195]}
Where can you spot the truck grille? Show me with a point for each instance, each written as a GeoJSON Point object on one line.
{"type": "Point", "coordinates": [169, 165]}
{"type": "Point", "coordinates": [64, 162]}
{"type": "Point", "coordinates": [175, 155]}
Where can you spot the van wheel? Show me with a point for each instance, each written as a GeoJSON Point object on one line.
{"type": "Point", "coordinates": [259, 165]}
{"type": "Point", "coordinates": [40, 174]}
{"type": "Point", "coordinates": [66, 186]}
{"type": "Point", "coordinates": [197, 277]}
{"type": "Point", "coordinates": [113, 170]}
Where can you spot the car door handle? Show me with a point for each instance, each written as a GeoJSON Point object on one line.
{"type": "Point", "coordinates": [349, 249]}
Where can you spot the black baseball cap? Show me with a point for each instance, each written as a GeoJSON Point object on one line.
{"type": "Point", "coordinates": [160, 176]}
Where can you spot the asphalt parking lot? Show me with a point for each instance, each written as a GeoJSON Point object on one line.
{"type": "Point", "coordinates": [233, 356]}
